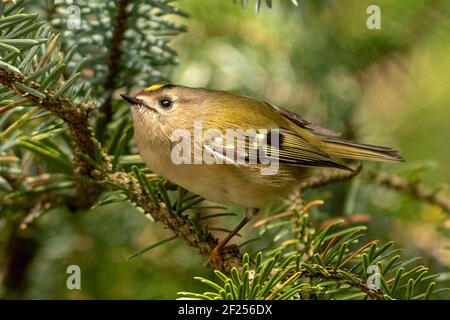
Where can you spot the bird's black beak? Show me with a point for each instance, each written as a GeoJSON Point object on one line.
{"type": "Point", "coordinates": [130, 100]}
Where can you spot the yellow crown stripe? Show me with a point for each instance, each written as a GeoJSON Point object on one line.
{"type": "Point", "coordinates": [155, 86]}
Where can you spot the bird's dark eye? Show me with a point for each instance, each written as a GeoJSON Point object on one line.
{"type": "Point", "coordinates": [165, 103]}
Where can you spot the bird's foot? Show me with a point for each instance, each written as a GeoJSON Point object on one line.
{"type": "Point", "coordinates": [215, 258]}
{"type": "Point", "coordinates": [223, 258]}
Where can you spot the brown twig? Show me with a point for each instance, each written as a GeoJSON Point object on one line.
{"type": "Point", "coordinates": [388, 180]}
{"type": "Point", "coordinates": [115, 56]}
{"type": "Point", "coordinates": [282, 215]}
{"type": "Point", "coordinates": [354, 254]}
{"type": "Point", "coordinates": [261, 222]}
{"type": "Point", "coordinates": [329, 245]}
{"type": "Point", "coordinates": [36, 211]}
{"type": "Point", "coordinates": [329, 177]}
{"type": "Point", "coordinates": [12, 105]}
{"type": "Point", "coordinates": [312, 204]}
{"type": "Point", "coordinates": [48, 51]}
{"type": "Point", "coordinates": [357, 283]}
{"type": "Point", "coordinates": [9, 159]}
{"type": "Point", "coordinates": [415, 190]}
{"type": "Point", "coordinates": [181, 225]}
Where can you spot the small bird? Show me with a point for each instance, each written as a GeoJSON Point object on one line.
{"type": "Point", "coordinates": [182, 134]}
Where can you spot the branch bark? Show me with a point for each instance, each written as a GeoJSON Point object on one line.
{"type": "Point", "coordinates": [115, 56]}
{"type": "Point", "coordinates": [332, 176]}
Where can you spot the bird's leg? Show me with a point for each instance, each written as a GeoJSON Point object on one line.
{"type": "Point", "coordinates": [216, 255]}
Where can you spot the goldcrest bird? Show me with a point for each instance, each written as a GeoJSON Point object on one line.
{"type": "Point", "coordinates": [161, 110]}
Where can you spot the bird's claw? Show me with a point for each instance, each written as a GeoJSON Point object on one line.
{"type": "Point", "coordinates": [215, 258]}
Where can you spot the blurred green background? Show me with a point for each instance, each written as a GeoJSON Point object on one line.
{"type": "Point", "coordinates": [387, 87]}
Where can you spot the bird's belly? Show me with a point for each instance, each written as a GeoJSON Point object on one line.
{"type": "Point", "coordinates": [224, 183]}
{"type": "Point", "coordinates": [225, 186]}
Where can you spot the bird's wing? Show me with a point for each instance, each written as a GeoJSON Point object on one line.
{"type": "Point", "coordinates": [293, 149]}
{"type": "Point", "coordinates": [282, 145]}
{"type": "Point", "coordinates": [305, 124]}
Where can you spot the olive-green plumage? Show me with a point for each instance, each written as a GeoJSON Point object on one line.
{"type": "Point", "coordinates": [161, 109]}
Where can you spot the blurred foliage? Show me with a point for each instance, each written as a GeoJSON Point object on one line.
{"type": "Point", "coordinates": [387, 86]}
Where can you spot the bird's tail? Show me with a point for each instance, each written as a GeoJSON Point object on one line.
{"type": "Point", "coordinates": [352, 150]}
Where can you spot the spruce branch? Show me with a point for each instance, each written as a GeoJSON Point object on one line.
{"type": "Point", "coordinates": [76, 117]}
{"type": "Point", "coordinates": [413, 189]}
{"type": "Point", "coordinates": [180, 224]}
{"type": "Point", "coordinates": [390, 181]}
{"type": "Point", "coordinates": [329, 177]}
{"type": "Point", "coordinates": [355, 282]}
{"type": "Point", "coordinates": [330, 265]}
{"type": "Point", "coordinates": [115, 55]}
{"type": "Point", "coordinates": [134, 38]}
